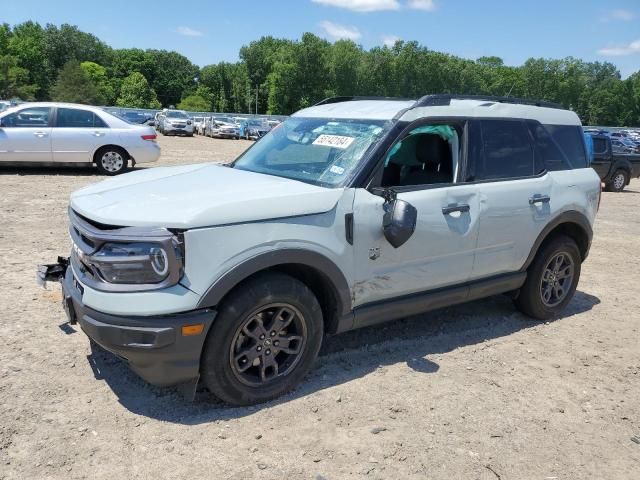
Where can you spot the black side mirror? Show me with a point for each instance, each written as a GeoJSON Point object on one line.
{"type": "Point", "coordinates": [399, 221]}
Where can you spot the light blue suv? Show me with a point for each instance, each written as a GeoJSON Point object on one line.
{"type": "Point", "coordinates": [352, 212]}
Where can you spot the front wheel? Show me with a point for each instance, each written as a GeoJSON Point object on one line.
{"type": "Point", "coordinates": [264, 340]}
{"type": "Point", "coordinates": [618, 181]}
{"type": "Point", "coordinates": [111, 160]}
{"type": "Point", "coordinates": [552, 279]}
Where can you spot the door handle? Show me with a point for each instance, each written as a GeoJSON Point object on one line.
{"type": "Point", "coordinates": [457, 207]}
{"type": "Point", "coordinates": [537, 198]}
{"type": "Point", "coordinates": [39, 134]}
{"type": "Point", "coordinates": [98, 134]}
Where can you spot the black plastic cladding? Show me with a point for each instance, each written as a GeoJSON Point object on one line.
{"type": "Point", "coordinates": [443, 99]}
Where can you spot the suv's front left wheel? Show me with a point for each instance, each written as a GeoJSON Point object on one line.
{"type": "Point", "coordinates": [263, 341]}
{"type": "Point", "coordinates": [552, 279]}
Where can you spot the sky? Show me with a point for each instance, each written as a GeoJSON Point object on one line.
{"type": "Point", "coordinates": [212, 31]}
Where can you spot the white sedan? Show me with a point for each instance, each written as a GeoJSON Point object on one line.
{"type": "Point", "coordinates": [69, 133]}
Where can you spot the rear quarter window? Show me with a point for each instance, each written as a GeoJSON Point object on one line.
{"type": "Point", "coordinates": [571, 141]}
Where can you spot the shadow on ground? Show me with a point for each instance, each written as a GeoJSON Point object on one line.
{"type": "Point", "coordinates": [69, 170]}
{"type": "Point", "coordinates": [343, 357]}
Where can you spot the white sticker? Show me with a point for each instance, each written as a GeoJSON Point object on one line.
{"type": "Point", "coordinates": [336, 169]}
{"type": "Point", "coordinates": [336, 141]}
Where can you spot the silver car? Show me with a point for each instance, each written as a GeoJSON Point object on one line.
{"type": "Point", "coordinates": [69, 133]}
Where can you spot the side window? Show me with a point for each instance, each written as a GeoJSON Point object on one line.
{"type": "Point", "coordinates": [571, 141]}
{"type": "Point", "coordinates": [599, 145]}
{"type": "Point", "coordinates": [77, 118]}
{"type": "Point", "coordinates": [507, 151]}
{"type": "Point", "coordinates": [428, 155]}
{"type": "Point", "coordinates": [28, 118]}
{"type": "Point", "coordinates": [547, 152]}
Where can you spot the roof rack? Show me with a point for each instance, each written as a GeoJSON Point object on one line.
{"type": "Point", "coordinates": [346, 98]}
{"type": "Point", "coordinates": [445, 99]}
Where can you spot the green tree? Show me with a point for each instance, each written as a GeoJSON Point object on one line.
{"type": "Point", "coordinates": [98, 76]}
{"type": "Point", "coordinates": [136, 92]}
{"type": "Point", "coordinates": [74, 85]}
{"type": "Point", "coordinates": [198, 101]}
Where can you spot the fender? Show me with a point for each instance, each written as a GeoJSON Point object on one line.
{"type": "Point", "coordinates": [570, 217]}
{"type": "Point", "coordinates": [308, 258]}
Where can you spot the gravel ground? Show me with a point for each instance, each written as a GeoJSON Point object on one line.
{"type": "Point", "coordinates": [475, 391]}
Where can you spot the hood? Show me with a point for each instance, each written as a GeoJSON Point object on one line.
{"type": "Point", "coordinates": [197, 196]}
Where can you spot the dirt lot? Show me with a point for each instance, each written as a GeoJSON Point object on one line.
{"type": "Point", "coordinates": [471, 392]}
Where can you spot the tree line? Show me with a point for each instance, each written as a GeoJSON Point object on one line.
{"type": "Point", "coordinates": [280, 76]}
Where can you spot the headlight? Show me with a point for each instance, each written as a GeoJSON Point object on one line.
{"type": "Point", "coordinates": [133, 263]}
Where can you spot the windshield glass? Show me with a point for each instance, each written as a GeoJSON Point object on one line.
{"type": "Point", "coordinates": [320, 151]}
{"type": "Point", "coordinates": [224, 119]}
{"type": "Point", "coordinates": [177, 115]}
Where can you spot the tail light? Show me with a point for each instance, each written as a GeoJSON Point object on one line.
{"type": "Point", "coordinates": [151, 136]}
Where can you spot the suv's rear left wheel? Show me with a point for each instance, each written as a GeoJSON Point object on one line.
{"type": "Point", "coordinates": [552, 279]}
{"type": "Point", "coordinates": [263, 341]}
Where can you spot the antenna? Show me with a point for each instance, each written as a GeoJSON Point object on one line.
{"type": "Point", "coordinates": [514, 84]}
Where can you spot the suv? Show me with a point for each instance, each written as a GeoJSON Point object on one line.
{"type": "Point", "coordinates": [176, 122]}
{"type": "Point", "coordinates": [350, 213]}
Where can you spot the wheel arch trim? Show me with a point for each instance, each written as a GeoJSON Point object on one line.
{"type": "Point", "coordinates": [572, 219]}
{"type": "Point", "coordinates": [289, 256]}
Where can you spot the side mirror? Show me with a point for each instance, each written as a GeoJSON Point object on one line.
{"type": "Point", "coordinates": [399, 221]}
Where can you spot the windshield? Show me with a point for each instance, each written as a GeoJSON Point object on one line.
{"type": "Point", "coordinates": [224, 119]}
{"type": "Point", "coordinates": [177, 115]}
{"type": "Point", "coordinates": [320, 151]}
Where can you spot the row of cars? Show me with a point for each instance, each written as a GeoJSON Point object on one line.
{"type": "Point", "coordinates": [180, 122]}
{"type": "Point", "coordinates": [233, 127]}
{"type": "Point", "coordinates": [622, 141]}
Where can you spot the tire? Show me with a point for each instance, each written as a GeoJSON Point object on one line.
{"type": "Point", "coordinates": [531, 299]}
{"type": "Point", "coordinates": [619, 179]}
{"type": "Point", "coordinates": [111, 160]}
{"type": "Point", "coordinates": [239, 333]}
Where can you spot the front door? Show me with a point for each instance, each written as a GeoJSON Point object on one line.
{"type": "Point", "coordinates": [25, 135]}
{"type": "Point", "coordinates": [422, 168]}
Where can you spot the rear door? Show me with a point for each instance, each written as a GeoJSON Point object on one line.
{"type": "Point", "coordinates": [77, 134]}
{"type": "Point", "coordinates": [514, 193]}
{"type": "Point", "coordinates": [25, 135]}
{"type": "Point", "coordinates": [601, 162]}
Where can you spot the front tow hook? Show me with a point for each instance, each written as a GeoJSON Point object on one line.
{"type": "Point", "coordinates": [52, 272]}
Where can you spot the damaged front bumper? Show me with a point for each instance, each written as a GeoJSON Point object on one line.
{"type": "Point", "coordinates": [154, 346]}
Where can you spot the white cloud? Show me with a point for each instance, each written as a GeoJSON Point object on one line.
{"type": "Point", "coordinates": [619, 15]}
{"type": "Point", "coordinates": [621, 50]}
{"type": "Point", "coordinates": [426, 5]}
{"type": "Point", "coordinates": [390, 40]}
{"type": "Point", "coordinates": [338, 32]}
{"type": "Point", "coordinates": [361, 5]}
{"type": "Point", "coordinates": [189, 32]}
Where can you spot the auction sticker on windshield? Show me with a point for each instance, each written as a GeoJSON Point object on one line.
{"type": "Point", "coordinates": [336, 141]}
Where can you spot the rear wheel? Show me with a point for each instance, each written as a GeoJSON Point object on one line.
{"type": "Point", "coordinates": [264, 340]}
{"type": "Point", "coordinates": [618, 181]}
{"type": "Point", "coordinates": [552, 279]}
{"type": "Point", "coordinates": [111, 160]}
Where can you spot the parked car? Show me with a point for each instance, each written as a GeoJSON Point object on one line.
{"type": "Point", "coordinates": [615, 169]}
{"type": "Point", "coordinates": [210, 127]}
{"type": "Point", "coordinates": [176, 122]}
{"type": "Point", "coordinates": [619, 147]}
{"type": "Point", "coordinates": [253, 129]}
{"type": "Point", "coordinates": [351, 213]}
{"type": "Point", "coordinates": [197, 123]}
{"type": "Point", "coordinates": [4, 104]}
{"type": "Point", "coordinates": [69, 133]}
{"type": "Point", "coordinates": [225, 129]}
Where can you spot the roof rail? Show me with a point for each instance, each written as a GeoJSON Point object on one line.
{"type": "Point", "coordinates": [346, 98]}
{"type": "Point", "coordinates": [445, 99]}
